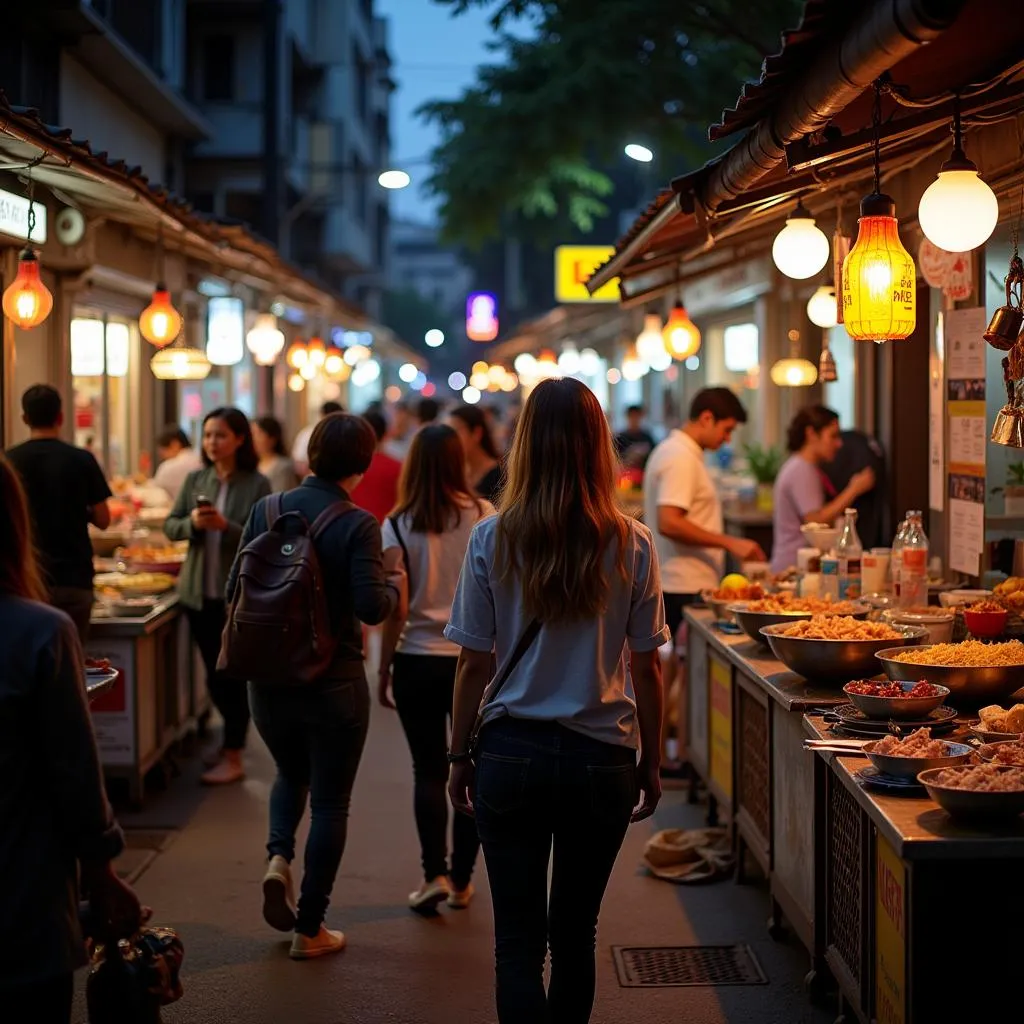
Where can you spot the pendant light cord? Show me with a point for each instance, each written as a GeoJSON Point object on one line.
{"type": "Point", "coordinates": [876, 124]}
{"type": "Point", "coordinates": [31, 219]}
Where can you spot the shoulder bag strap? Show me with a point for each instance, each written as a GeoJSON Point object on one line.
{"type": "Point", "coordinates": [329, 515]}
{"type": "Point", "coordinates": [273, 507]}
{"type": "Point", "coordinates": [525, 642]}
{"type": "Point", "coordinates": [393, 520]}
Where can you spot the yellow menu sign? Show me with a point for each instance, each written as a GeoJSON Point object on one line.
{"type": "Point", "coordinates": [574, 264]}
{"type": "Point", "coordinates": [721, 725]}
{"type": "Point", "coordinates": [890, 935]}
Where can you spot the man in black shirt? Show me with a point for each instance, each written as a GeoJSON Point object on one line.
{"type": "Point", "coordinates": [635, 444]}
{"type": "Point", "coordinates": [66, 491]}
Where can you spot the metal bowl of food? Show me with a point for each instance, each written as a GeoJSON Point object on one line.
{"type": "Point", "coordinates": [752, 622]}
{"type": "Point", "coordinates": [903, 767]}
{"type": "Point", "coordinates": [718, 606]}
{"type": "Point", "coordinates": [970, 686]}
{"type": "Point", "coordinates": [1009, 752]}
{"type": "Point", "coordinates": [835, 661]}
{"type": "Point", "coordinates": [947, 787]}
{"type": "Point", "coordinates": [896, 708]}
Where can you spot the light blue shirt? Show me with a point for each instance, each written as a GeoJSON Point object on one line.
{"type": "Point", "coordinates": [574, 673]}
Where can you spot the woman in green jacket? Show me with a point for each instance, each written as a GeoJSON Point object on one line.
{"type": "Point", "coordinates": [210, 512]}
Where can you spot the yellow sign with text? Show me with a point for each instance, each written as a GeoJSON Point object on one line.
{"type": "Point", "coordinates": [721, 725]}
{"type": "Point", "coordinates": [890, 935]}
{"type": "Point", "coordinates": [574, 264]}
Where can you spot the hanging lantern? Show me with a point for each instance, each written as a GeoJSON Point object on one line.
{"type": "Point", "coordinates": [180, 361]}
{"type": "Point", "coordinates": [316, 352]}
{"type": "Point", "coordinates": [821, 307]}
{"type": "Point", "coordinates": [27, 301]}
{"type": "Point", "coordinates": [958, 211]}
{"type": "Point", "coordinates": [265, 341]}
{"type": "Point", "coordinates": [680, 334]}
{"type": "Point", "coordinates": [794, 371]}
{"type": "Point", "coordinates": [633, 367]}
{"type": "Point", "coordinates": [827, 372]}
{"type": "Point", "coordinates": [297, 356]}
{"type": "Point", "coordinates": [160, 322]}
{"type": "Point", "coordinates": [800, 249]}
{"type": "Point", "coordinates": [547, 364]}
{"type": "Point", "coordinates": [296, 383]}
{"type": "Point", "coordinates": [649, 342]}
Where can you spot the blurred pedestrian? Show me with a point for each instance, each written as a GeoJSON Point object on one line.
{"type": "Point", "coordinates": [177, 459]}
{"type": "Point", "coordinates": [377, 492]}
{"type": "Point", "coordinates": [300, 446]}
{"type": "Point", "coordinates": [403, 426]}
{"type": "Point", "coordinates": [274, 464]}
{"type": "Point", "coordinates": [210, 513]}
{"type": "Point", "coordinates": [58, 830]}
{"type": "Point", "coordinates": [430, 528]}
{"type": "Point", "coordinates": [483, 461]}
{"type": "Point", "coordinates": [316, 730]}
{"type": "Point", "coordinates": [427, 411]}
{"type": "Point", "coordinates": [66, 492]}
{"type": "Point", "coordinates": [634, 444]}
{"type": "Point", "coordinates": [559, 584]}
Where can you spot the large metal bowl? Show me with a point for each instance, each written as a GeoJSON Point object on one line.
{"type": "Point", "coordinates": [897, 708]}
{"type": "Point", "coordinates": [969, 686]}
{"type": "Point", "coordinates": [972, 804]}
{"type": "Point", "coordinates": [720, 608]}
{"type": "Point", "coordinates": [833, 661]}
{"type": "Point", "coordinates": [753, 622]}
{"type": "Point", "coordinates": [910, 767]}
{"type": "Point", "coordinates": [987, 751]}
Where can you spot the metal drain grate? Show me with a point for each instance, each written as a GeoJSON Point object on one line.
{"type": "Point", "coordinates": [682, 966]}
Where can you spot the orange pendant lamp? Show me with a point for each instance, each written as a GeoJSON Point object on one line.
{"type": "Point", "coordinates": [681, 334]}
{"type": "Point", "coordinates": [27, 301]}
{"type": "Point", "coordinates": [160, 323]}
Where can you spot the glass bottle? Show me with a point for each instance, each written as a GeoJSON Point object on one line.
{"type": "Point", "coordinates": [896, 556]}
{"type": "Point", "coordinates": [914, 563]}
{"type": "Point", "coordinates": [849, 551]}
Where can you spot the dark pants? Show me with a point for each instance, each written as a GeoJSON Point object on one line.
{"type": "Point", "coordinates": [316, 734]}
{"type": "Point", "coordinates": [540, 785]}
{"type": "Point", "coordinates": [228, 693]}
{"type": "Point", "coordinates": [42, 1002]}
{"type": "Point", "coordinates": [77, 603]}
{"type": "Point", "coordinates": [424, 686]}
{"type": "Point", "coordinates": [675, 604]}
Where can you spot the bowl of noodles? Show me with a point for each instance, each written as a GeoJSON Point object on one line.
{"type": "Point", "coordinates": [836, 649]}
{"type": "Point", "coordinates": [784, 608]}
{"type": "Point", "coordinates": [975, 673]}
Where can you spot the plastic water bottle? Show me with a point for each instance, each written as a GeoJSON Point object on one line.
{"type": "Point", "coordinates": [896, 557]}
{"type": "Point", "coordinates": [914, 563]}
{"type": "Point", "coordinates": [849, 551]}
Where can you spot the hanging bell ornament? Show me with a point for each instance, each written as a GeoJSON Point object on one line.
{"type": "Point", "coordinates": [827, 372]}
{"type": "Point", "coordinates": [1006, 323]}
{"type": "Point", "coordinates": [1008, 429]}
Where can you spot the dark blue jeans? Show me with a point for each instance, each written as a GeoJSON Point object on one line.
{"type": "Point", "coordinates": [316, 735]}
{"type": "Point", "coordinates": [541, 787]}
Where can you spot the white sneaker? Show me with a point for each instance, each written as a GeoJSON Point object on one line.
{"type": "Point", "coordinates": [323, 944]}
{"type": "Point", "coordinates": [279, 895]}
{"type": "Point", "coordinates": [459, 899]}
{"type": "Point", "coordinates": [430, 895]}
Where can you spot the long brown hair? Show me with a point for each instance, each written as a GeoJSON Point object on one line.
{"type": "Point", "coordinates": [19, 568]}
{"type": "Point", "coordinates": [433, 490]}
{"type": "Point", "coordinates": [559, 513]}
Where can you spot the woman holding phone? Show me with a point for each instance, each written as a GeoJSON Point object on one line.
{"type": "Point", "coordinates": [211, 510]}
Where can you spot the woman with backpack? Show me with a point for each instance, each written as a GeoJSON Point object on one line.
{"type": "Point", "coordinates": [210, 512]}
{"type": "Point", "coordinates": [307, 684]}
{"type": "Point", "coordinates": [559, 584]}
{"type": "Point", "coordinates": [430, 527]}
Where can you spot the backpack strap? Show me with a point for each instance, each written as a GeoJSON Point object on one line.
{"type": "Point", "coordinates": [329, 515]}
{"type": "Point", "coordinates": [273, 508]}
{"type": "Point", "coordinates": [393, 520]}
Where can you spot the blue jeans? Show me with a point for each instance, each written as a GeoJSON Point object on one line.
{"type": "Point", "coordinates": [316, 735]}
{"type": "Point", "coordinates": [540, 786]}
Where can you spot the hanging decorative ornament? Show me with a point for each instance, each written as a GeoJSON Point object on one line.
{"type": "Point", "coordinates": [27, 301]}
{"type": "Point", "coordinates": [958, 211]}
{"type": "Point", "coordinates": [1008, 428]}
{"type": "Point", "coordinates": [821, 307]}
{"type": "Point", "coordinates": [265, 341]}
{"type": "Point", "coordinates": [794, 371]}
{"type": "Point", "coordinates": [800, 249]}
{"type": "Point", "coordinates": [1006, 322]}
{"type": "Point", "coordinates": [841, 243]}
{"type": "Point", "coordinates": [681, 334]}
{"type": "Point", "coordinates": [827, 372]}
{"type": "Point", "coordinates": [180, 361]}
{"type": "Point", "coordinates": [879, 277]}
{"type": "Point", "coordinates": [297, 357]}
{"type": "Point", "coordinates": [650, 345]}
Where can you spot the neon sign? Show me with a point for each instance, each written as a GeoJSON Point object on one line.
{"type": "Point", "coordinates": [481, 316]}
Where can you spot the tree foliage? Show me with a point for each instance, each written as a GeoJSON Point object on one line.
{"type": "Point", "coordinates": [572, 82]}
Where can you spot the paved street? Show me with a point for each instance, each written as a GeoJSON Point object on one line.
{"type": "Point", "coordinates": [400, 967]}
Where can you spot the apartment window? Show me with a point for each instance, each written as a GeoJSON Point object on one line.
{"type": "Point", "coordinates": [218, 68]}
{"type": "Point", "coordinates": [361, 70]}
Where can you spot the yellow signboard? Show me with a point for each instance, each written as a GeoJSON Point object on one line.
{"type": "Point", "coordinates": [574, 264]}
{"type": "Point", "coordinates": [721, 725]}
{"type": "Point", "coordinates": [890, 936]}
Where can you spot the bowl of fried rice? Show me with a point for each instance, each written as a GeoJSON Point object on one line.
{"type": "Point", "coordinates": [983, 792]}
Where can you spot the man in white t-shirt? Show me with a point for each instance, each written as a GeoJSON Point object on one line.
{"type": "Point", "coordinates": [177, 459]}
{"type": "Point", "coordinates": [300, 446]}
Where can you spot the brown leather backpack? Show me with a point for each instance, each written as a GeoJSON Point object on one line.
{"type": "Point", "coordinates": [278, 627]}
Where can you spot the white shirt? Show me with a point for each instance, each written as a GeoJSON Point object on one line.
{"type": "Point", "coordinates": [676, 476]}
{"type": "Point", "coordinates": [171, 473]}
{"type": "Point", "coordinates": [574, 673]}
{"type": "Point", "coordinates": [433, 576]}
{"type": "Point", "coordinates": [300, 446]}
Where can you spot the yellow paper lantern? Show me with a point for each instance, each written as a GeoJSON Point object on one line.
{"type": "Point", "coordinates": [879, 277]}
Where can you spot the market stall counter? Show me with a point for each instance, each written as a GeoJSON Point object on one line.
{"type": "Point", "coordinates": [907, 900]}
{"type": "Point", "coordinates": [157, 696]}
{"type": "Point", "coordinates": [745, 733]}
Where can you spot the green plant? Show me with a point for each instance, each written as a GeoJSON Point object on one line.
{"type": "Point", "coordinates": [1015, 474]}
{"type": "Point", "coordinates": [764, 461]}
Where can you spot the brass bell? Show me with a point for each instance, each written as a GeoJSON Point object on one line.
{"type": "Point", "coordinates": [1008, 429]}
{"type": "Point", "coordinates": [1007, 321]}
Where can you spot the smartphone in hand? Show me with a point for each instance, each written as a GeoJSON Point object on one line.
{"type": "Point", "coordinates": [202, 501]}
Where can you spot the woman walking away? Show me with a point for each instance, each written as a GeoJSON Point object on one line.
{"type": "Point", "coordinates": [274, 464]}
{"type": "Point", "coordinates": [58, 830]}
{"type": "Point", "coordinates": [210, 512]}
{"type": "Point", "coordinates": [316, 730]}
{"type": "Point", "coordinates": [558, 583]}
{"type": "Point", "coordinates": [430, 527]}
{"type": "Point", "coordinates": [483, 462]}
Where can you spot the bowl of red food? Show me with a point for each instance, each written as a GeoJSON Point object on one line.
{"type": "Point", "coordinates": [893, 699]}
{"type": "Point", "coordinates": [985, 619]}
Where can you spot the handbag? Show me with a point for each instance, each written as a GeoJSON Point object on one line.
{"type": "Point", "coordinates": [525, 642]}
{"type": "Point", "coordinates": [131, 979]}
